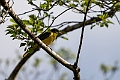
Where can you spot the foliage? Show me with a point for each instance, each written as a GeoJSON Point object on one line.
{"type": "Point", "coordinates": [33, 66]}
{"type": "Point", "coordinates": [37, 24]}
{"type": "Point", "coordinates": [44, 19]}
{"type": "Point", "coordinates": [36, 65]}
{"type": "Point", "coordinates": [109, 70]}
{"type": "Point", "coordinates": [67, 54]}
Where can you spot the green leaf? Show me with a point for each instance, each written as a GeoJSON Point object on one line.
{"type": "Point", "coordinates": [44, 6]}
{"type": "Point", "coordinates": [53, 62]}
{"type": "Point", "coordinates": [104, 16]}
{"type": "Point", "coordinates": [60, 3]}
{"type": "Point", "coordinates": [22, 44]}
{"type": "Point", "coordinates": [117, 6]}
{"type": "Point", "coordinates": [92, 26]}
{"type": "Point", "coordinates": [104, 68]}
{"type": "Point", "coordinates": [106, 24]}
{"type": "Point", "coordinates": [37, 62]}
{"type": "Point", "coordinates": [76, 0]}
{"type": "Point", "coordinates": [8, 32]}
{"type": "Point", "coordinates": [73, 5]}
{"type": "Point", "coordinates": [101, 24]}
{"type": "Point", "coordinates": [66, 53]}
{"type": "Point", "coordinates": [64, 37]}
{"type": "Point", "coordinates": [32, 18]}
{"type": "Point", "coordinates": [97, 3]}
{"type": "Point", "coordinates": [26, 22]}
{"type": "Point", "coordinates": [24, 34]}
{"type": "Point", "coordinates": [114, 68]}
{"type": "Point", "coordinates": [12, 20]}
{"type": "Point", "coordinates": [108, 21]}
{"type": "Point", "coordinates": [13, 34]}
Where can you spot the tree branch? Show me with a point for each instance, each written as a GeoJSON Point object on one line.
{"type": "Point", "coordinates": [3, 16]}
{"type": "Point", "coordinates": [67, 29]}
{"type": "Point", "coordinates": [77, 76]}
{"type": "Point", "coordinates": [82, 33]}
{"type": "Point", "coordinates": [47, 49]}
{"type": "Point", "coordinates": [37, 40]}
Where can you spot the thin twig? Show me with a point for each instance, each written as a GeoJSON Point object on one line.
{"type": "Point", "coordinates": [3, 18]}
{"type": "Point", "coordinates": [44, 9]}
{"type": "Point", "coordinates": [82, 33]}
{"type": "Point", "coordinates": [37, 8]}
{"type": "Point", "coordinates": [80, 11]}
{"type": "Point", "coordinates": [56, 18]}
{"type": "Point", "coordinates": [27, 12]}
{"type": "Point", "coordinates": [117, 19]}
{"type": "Point", "coordinates": [65, 23]}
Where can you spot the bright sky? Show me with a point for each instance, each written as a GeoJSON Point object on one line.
{"type": "Point", "coordinates": [100, 45]}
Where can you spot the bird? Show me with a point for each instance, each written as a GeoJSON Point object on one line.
{"type": "Point", "coordinates": [46, 37]}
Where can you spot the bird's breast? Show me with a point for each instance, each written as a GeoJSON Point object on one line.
{"type": "Point", "coordinates": [50, 39]}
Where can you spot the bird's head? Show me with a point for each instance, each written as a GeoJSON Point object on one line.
{"type": "Point", "coordinates": [54, 30]}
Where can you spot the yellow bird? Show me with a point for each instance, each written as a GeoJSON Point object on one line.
{"type": "Point", "coordinates": [47, 38]}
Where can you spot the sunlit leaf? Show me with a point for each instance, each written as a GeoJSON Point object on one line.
{"type": "Point", "coordinates": [26, 22]}
{"type": "Point", "coordinates": [60, 3]}
{"type": "Point", "coordinates": [108, 21]}
{"type": "Point", "coordinates": [12, 20]}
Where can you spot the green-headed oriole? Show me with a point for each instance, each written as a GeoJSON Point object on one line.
{"type": "Point", "coordinates": [46, 37]}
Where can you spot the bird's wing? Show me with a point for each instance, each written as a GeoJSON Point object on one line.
{"type": "Point", "coordinates": [44, 35]}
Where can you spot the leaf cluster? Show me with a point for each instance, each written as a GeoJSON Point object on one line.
{"type": "Point", "coordinates": [67, 54]}
{"type": "Point", "coordinates": [37, 22]}
{"type": "Point", "coordinates": [34, 23]}
{"type": "Point", "coordinates": [106, 69]}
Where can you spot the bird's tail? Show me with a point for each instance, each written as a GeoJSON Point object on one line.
{"type": "Point", "coordinates": [32, 50]}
